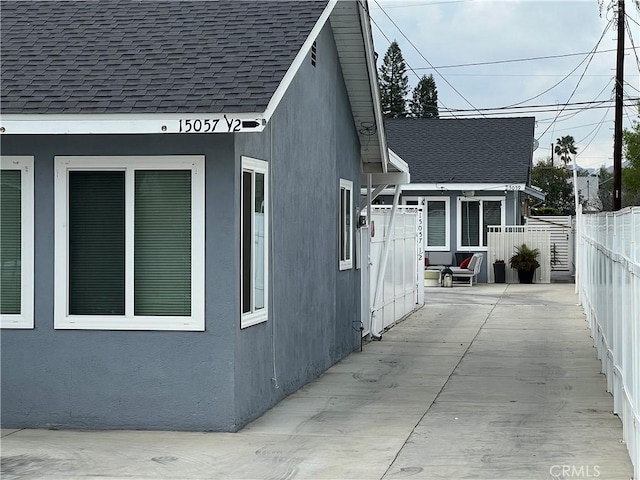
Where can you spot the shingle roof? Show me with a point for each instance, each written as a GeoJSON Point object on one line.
{"type": "Point", "coordinates": [470, 150]}
{"type": "Point", "coordinates": [123, 56]}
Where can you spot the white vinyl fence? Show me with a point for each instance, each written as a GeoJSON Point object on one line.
{"type": "Point", "coordinates": [502, 242]}
{"type": "Point", "coordinates": [402, 286]}
{"type": "Point", "coordinates": [608, 285]}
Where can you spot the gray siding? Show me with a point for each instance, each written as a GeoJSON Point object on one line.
{"type": "Point", "coordinates": [220, 378]}
{"type": "Point", "coordinates": [122, 379]}
{"type": "Point", "coordinates": [310, 144]}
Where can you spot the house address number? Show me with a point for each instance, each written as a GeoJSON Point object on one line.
{"type": "Point", "coordinates": [197, 125]}
{"type": "Point", "coordinates": [215, 125]}
{"type": "Point", "coordinates": [514, 186]}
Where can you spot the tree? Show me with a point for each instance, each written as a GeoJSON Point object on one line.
{"type": "Point", "coordinates": [631, 173]}
{"type": "Point", "coordinates": [565, 147]}
{"type": "Point", "coordinates": [553, 182]}
{"type": "Point", "coordinates": [394, 83]}
{"type": "Point", "coordinates": [424, 103]}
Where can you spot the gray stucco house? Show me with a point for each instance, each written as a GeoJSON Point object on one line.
{"type": "Point", "coordinates": [178, 187]}
{"type": "Point", "coordinates": [468, 173]}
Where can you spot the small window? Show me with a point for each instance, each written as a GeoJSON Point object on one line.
{"type": "Point", "coordinates": [313, 54]}
{"type": "Point", "coordinates": [130, 243]}
{"type": "Point", "coordinates": [474, 216]}
{"type": "Point", "coordinates": [255, 241]}
{"type": "Point", "coordinates": [346, 227]}
{"type": "Point", "coordinates": [436, 220]}
{"type": "Point", "coordinates": [16, 242]}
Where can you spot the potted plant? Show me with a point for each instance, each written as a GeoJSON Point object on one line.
{"type": "Point", "coordinates": [498, 271]}
{"type": "Point", "coordinates": [525, 260]}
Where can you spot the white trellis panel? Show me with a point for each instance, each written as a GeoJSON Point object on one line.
{"type": "Point", "coordinates": [561, 231]}
{"type": "Point", "coordinates": [501, 243]}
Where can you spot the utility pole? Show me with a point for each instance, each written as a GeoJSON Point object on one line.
{"type": "Point", "coordinates": [617, 131]}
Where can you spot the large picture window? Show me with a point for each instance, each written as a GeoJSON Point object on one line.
{"type": "Point", "coordinates": [16, 242]}
{"type": "Point", "coordinates": [474, 215]}
{"type": "Point", "coordinates": [255, 241]}
{"type": "Point", "coordinates": [345, 227]}
{"type": "Point", "coordinates": [130, 243]}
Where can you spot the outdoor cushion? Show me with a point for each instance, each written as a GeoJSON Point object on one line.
{"type": "Point", "coordinates": [465, 262]}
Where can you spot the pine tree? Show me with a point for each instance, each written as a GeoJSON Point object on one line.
{"type": "Point", "coordinates": [394, 83]}
{"type": "Point", "coordinates": [425, 98]}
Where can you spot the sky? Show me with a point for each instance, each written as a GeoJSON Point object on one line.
{"type": "Point", "coordinates": [442, 33]}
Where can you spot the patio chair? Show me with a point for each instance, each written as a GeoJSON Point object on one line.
{"type": "Point", "coordinates": [471, 271]}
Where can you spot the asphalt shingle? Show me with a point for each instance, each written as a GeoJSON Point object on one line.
{"type": "Point", "coordinates": [122, 56]}
{"type": "Point", "coordinates": [468, 150]}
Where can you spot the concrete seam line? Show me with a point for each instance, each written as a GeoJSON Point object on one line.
{"type": "Point", "coordinates": [395, 457]}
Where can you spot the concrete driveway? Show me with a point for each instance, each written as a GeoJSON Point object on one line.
{"type": "Point", "coordinates": [487, 382]}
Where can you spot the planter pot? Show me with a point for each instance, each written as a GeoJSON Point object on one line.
{"type": "Point", "coordinates": [498, 272]}
{"type": "Point", "coordinates": [526, 276]}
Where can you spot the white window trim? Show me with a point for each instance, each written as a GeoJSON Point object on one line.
{"type": "Point", "coordinates": [25, 318]}
{"type": "Point", "coordinates": [345, 264]}
{"type": "Point", "coordinates": [481, 248]}
{"type": "Point", "coordinates": [129, 321]}
{"type": "Point", "coordinates": [255, 317]}
{"type": "Point", "coordinates": [447, 232]}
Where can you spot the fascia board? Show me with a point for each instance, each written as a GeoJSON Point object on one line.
{"type": "Point", "coordinates": [105, 123]}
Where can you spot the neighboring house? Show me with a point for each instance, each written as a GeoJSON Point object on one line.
{"type": "Point", "coordinates": [588, 192]}
{"type": "Point", "coordinates": [178, 184]}
{"type": "Point", "coordinates": [468, 174]}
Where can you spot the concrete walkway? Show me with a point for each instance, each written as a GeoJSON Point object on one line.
{"type": "Point", "coordinates": [487, 382]}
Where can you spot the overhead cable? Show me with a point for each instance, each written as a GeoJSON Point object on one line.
{"type": "Point", "coordinates": [425, 58]}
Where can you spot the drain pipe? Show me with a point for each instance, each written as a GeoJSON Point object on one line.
{"type": "Point", "coordinates": [375, 332]}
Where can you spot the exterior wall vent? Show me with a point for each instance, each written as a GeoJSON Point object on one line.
{"type": "Point", "coordinates": [313, 54]}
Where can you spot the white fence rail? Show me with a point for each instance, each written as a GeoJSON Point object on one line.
{"type": "Point", "coordinates": [609, 291]}
{"type": "Point", "coordinates": [502, 242]}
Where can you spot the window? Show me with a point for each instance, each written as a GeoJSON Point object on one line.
{"type": "Point", "coordinates": [346, 235]}
{"type": "Point", "coordinates": [16, 242]}
{"type": "Point", "coordinates": [474, 215]}
{"type": "Point", "coordinates": [255, 241]}
{"type": "Point", "coordinates": [436, 220]}
{"type": "Point", "coordinates": [129, 243]}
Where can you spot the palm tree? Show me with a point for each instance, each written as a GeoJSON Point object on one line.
{"type": "Point", "coordinates": [565, 147]}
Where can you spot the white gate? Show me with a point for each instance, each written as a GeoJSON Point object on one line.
{"type": "Point", "coordinates": [561, 238]}
{"type": "Point", "coordinates": [501, 243]}
{"type": "Point", "coordinates": [402, 287]}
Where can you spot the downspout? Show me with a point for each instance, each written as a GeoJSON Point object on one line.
{"type": "Point", "coordinates": [383, 265]}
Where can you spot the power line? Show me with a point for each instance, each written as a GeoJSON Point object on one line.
{"type": "Point", "coordinates": [543, 105]}
{"type": "Point", "coordinates": [568, 116]}
{"type": "Point", "coordinates": [425, 58]}
{"type": "Point", "coordinates": [515, 60]}
{"type": "Point", "coordinates": [426, 4]}
{"type": "Point", "coordinates": [629, 85]}
{"type": "Point", "coordinates": [387, 39]}
{"type": "Point", "coordinates": [580, 79]}
{"type": "Point", "coordinates": [628, 29]}
{"type": "Point", "coordinates": [472, 113]}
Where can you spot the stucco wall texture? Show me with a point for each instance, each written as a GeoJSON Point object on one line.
{"type": "Point", "coordinates": [223, 377]}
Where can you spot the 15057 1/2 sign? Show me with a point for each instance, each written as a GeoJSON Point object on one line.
{"type": "Point", "coordinates": [216, 125]}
